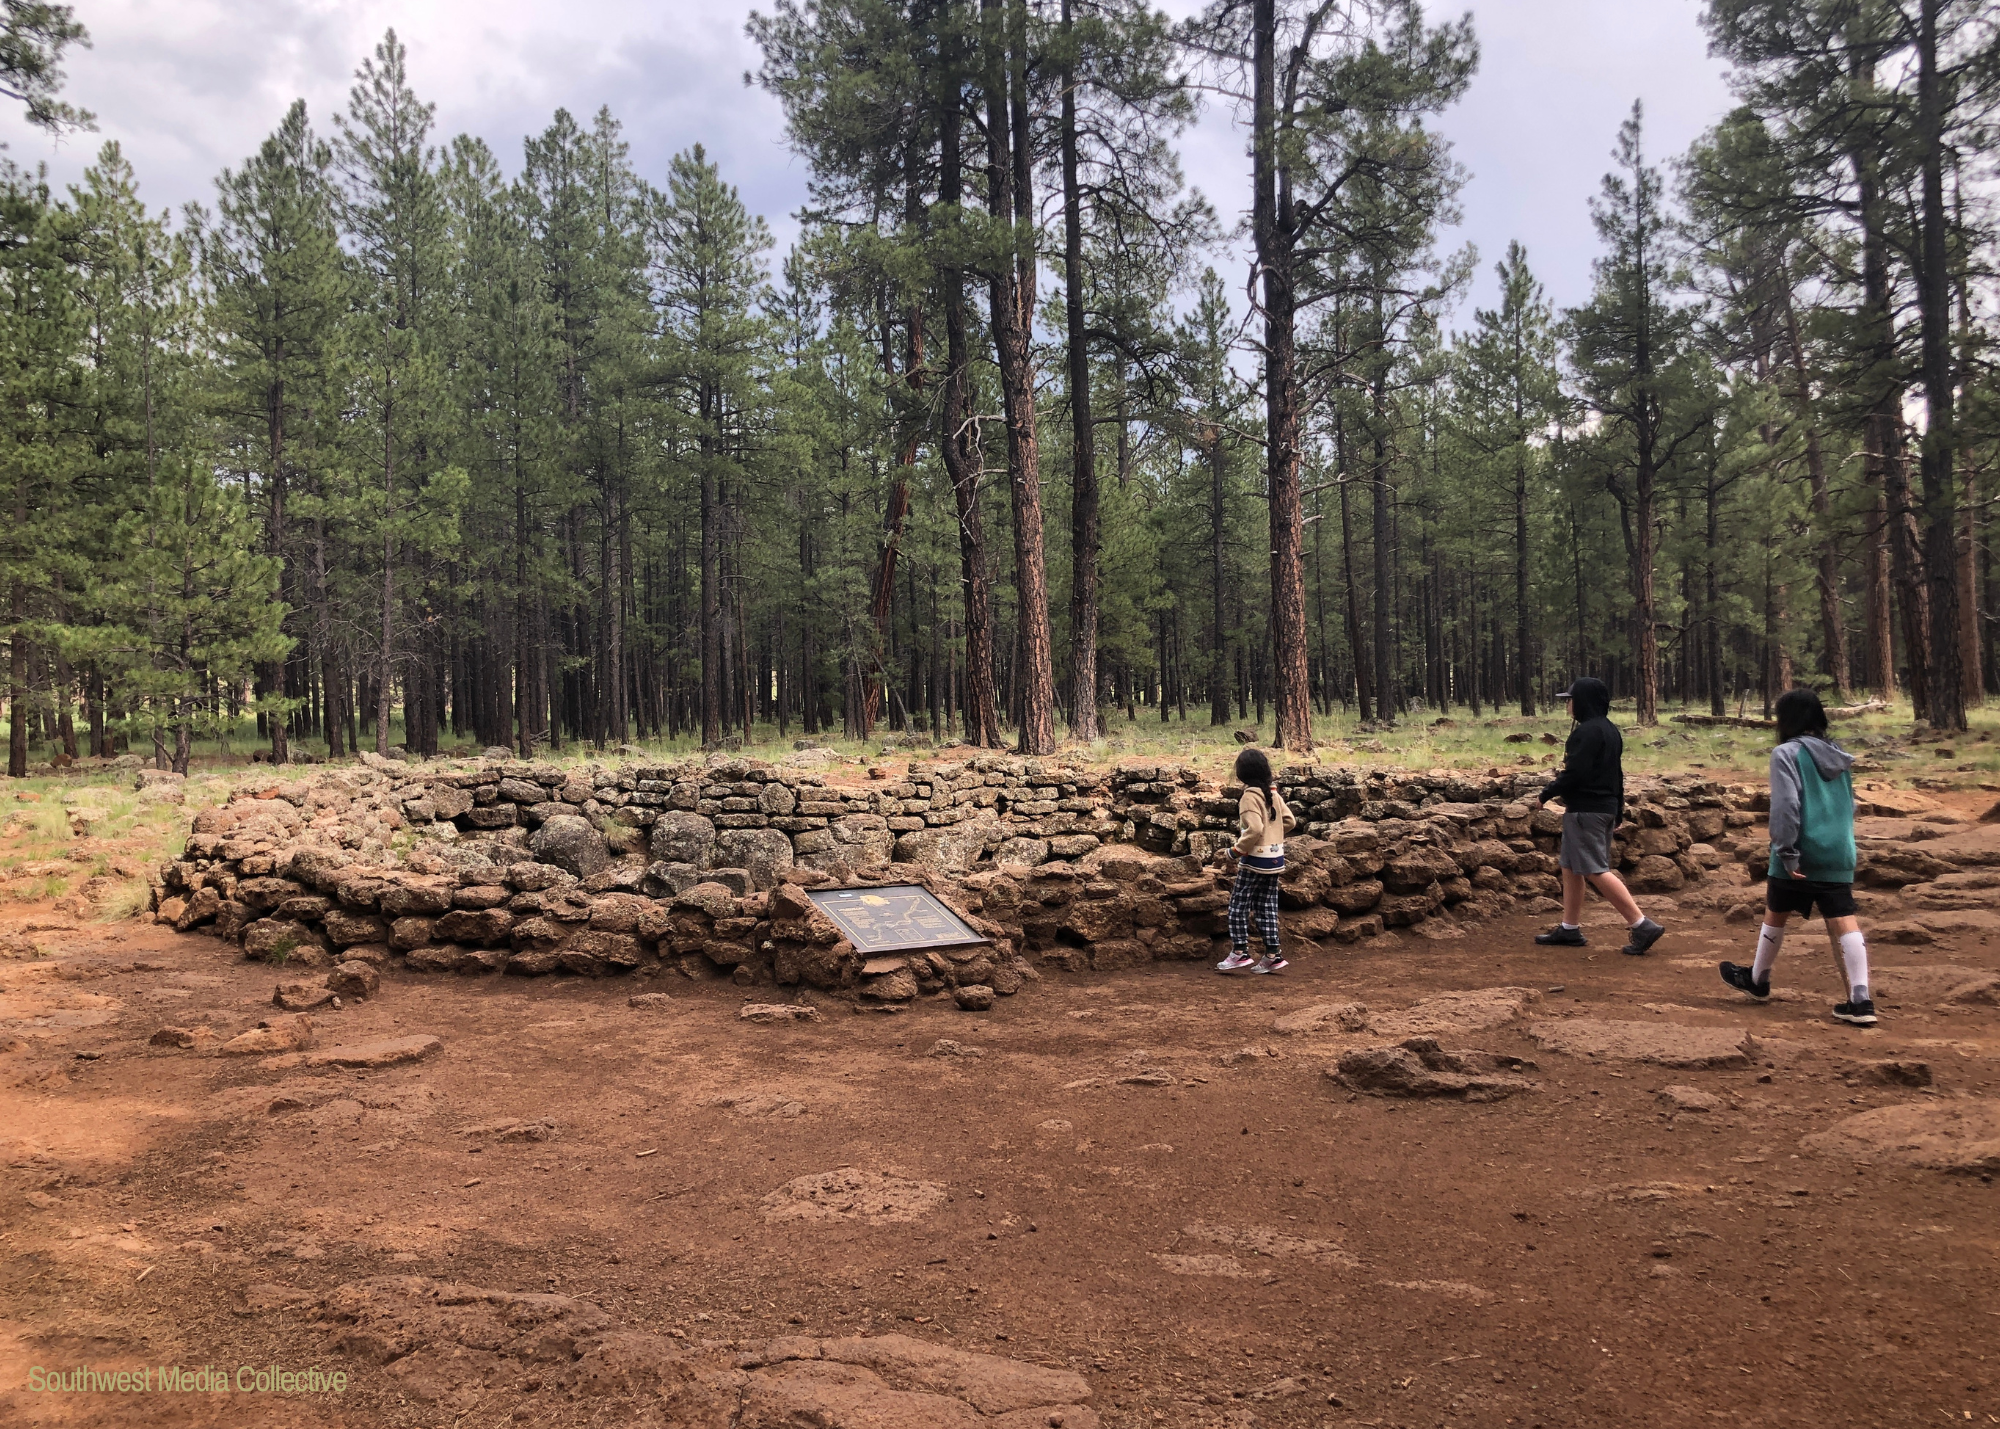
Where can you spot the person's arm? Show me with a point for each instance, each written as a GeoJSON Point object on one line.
{"type": "Point", "coordinates": [1250, 811]}
{"type": "Point", "coordinates": [1574, 761]}
{"type": "Point", "coordinates": [1787, 795]}
{"type": "Point", "coordinates": [1287, 819]}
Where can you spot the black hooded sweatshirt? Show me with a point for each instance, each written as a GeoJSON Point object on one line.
{"type": "Point", "coordinates": [1593, 774]}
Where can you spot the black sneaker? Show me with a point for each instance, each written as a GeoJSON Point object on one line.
{"type": "Point", "coordinates": [1561, 937]}
{"type": "Point", "coordinates": [1861, 1014]}
{"type": "Point", "coordinates": [1739, 978]}
{"type": "Point", "coordinates": [1642, 937]}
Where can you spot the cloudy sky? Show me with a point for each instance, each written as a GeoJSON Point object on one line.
{"type": "Point", "coordinates": [190, 86]}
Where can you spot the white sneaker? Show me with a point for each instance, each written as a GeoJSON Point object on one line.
{"type": "Point", "coordinates": [1235, 962]}
{"type": "Point", "coordinates": [1272, 963]}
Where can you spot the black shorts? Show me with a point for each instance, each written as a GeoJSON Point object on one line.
{"type": "Point", "coordinates": [1800, 895]}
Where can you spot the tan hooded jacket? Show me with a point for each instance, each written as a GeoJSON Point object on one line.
{"type": "Point", "coordinates": [1263, 835]}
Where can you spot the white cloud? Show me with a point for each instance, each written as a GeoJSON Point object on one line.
{"type": "Point", "coordinates": [193, 85]}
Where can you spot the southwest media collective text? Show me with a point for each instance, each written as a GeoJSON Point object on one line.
{"type": "Point", "coordinates": [184, 1379]}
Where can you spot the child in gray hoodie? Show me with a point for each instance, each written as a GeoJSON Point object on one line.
{"type": "Point", "coordinates": [1812, 854]}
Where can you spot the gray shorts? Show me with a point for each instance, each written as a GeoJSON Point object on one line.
{"type": "Point", "coordinates": [1586, 846]}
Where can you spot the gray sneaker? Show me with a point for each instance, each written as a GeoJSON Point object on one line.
{"type": "Point", "coordinates": [1642, 937]}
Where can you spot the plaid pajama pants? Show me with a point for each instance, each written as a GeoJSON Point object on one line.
{"type": "Point", "coordinates": [1254, 896]}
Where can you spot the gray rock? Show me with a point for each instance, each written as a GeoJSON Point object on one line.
{"type": "Point", "coordinates": [571, 844]}
{"type": "Point", "coordinates": [765, 854]}
{"type": "Point", "coordinates": [1023, 850]}
{"type": "Point", "coordinates": [665, 879]}
{"type": "Point", "coordinates": [681, 837]}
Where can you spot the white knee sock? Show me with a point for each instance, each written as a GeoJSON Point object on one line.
{"type": "Point", "coordinates": [1854, 953]}
{"type": "Point", "coordinates": [1769, 940]}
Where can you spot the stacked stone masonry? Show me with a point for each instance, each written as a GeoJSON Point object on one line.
{"type": "Point", "coordinates": [702, 867]}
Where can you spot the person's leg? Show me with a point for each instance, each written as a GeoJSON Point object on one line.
{"type": "Point", "coordinates": [1267, 924]}
{"type": "Point", "coordinates": [1756, 979]}
{"type": "Point", "coordinates": [1611, 888]}
{"type": "Point", "coordinates": [1851, 952]}
{"type": "Point", "coordinates": [1572, 897]}
{"type": "Point", "coordinates": [1239, 922]}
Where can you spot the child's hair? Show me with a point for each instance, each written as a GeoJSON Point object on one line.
{"type": "Point", "coordinates": [1253, 770]}
{"type": "Point", "coordinates": [1800, 712]}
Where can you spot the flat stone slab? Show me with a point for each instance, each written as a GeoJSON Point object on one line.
{"type": "Point", "coordinates": [1661, 1043]}
{"type": "Point", "coordinates": [1961, 1136]}
{"type": "Point", "coordinates": [861, 1382]}
{"type": "Point", "coordinates": [1450, 1014]}
{"type": "Point", "coordinates": [1902, 987]}
{"type": "Point", "coordinates": [386, 1052]}
{"type": "Point", "coordinates": [852, 1194]}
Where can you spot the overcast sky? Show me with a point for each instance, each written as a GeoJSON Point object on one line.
{"type": "Point", "coordinates": [190, 86]}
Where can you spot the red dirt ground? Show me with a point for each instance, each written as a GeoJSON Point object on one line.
{"type": "Point", "coordinates": [1245, 1242]}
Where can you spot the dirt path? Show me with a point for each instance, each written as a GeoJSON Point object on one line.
{"type": "Point", "coordinates": [1131, 1177]}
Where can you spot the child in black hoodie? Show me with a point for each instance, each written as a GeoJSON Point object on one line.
{"type": "Point", "coordinates": [1592, 788]}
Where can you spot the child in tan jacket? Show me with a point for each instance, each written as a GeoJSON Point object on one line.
{"type": "Point", "coordinates": [1265, 821]}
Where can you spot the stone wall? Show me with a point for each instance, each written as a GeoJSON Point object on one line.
{"type": "Point", "coordinates": [701, 867]}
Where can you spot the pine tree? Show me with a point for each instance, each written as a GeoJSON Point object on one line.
{"type": "Point", "coordinates": [279, 293]}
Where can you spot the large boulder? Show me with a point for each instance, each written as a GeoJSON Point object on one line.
{"type": "Point", "coordinates": [570, 843]}
{"type": "Point", "coordinates": [680, 837]}
{"type": "Point", "coordinates": [952, 849]}
{"type": "Point", "coordinates": [765, 853]}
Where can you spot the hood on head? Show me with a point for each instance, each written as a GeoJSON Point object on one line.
{"type": "Point", "coordinates": [1592, 697]}
{"type": "Point", "coordinates": [1829, 758]}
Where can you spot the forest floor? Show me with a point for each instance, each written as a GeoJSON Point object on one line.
{"type": "Point", "coordinates": [1132, 1176]}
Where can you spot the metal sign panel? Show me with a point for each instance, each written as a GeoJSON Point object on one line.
{"type": "Point", "coordinates": [901, 918]}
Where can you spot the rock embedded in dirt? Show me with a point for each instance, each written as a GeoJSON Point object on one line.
{"type": "Point", "coordinates": [945, 1047]}
{"type": "Point", "coordinates": [276, 1034]}
{"type": "Point", "coordinates": [1957, 1136]}
{"type": "Point", "coordinates": [1419, 1067]}
{"type": "Point", "coordinates": [1660, 1043]}
{"type": "Point", "coordinates": [974, 997]}
{"type": "Point", "coordinates": [650, 1001]}
{"type": "Point", "coordinates": [779, 1012]}
{"type": "Point", "coordinates": [185, 1038]}
{"type": "Point", "coordinates": [511, 1129]}
{"type": "Point", "coordinates": [1453, 1014]}
{"type": "Point", "coordinates": [1889, 1072]}
{"type": "Point", "coordinates": [1688, 1099]}
{"type": "Point", "coordinates": [1323, 1017]}
{"type": "Point", "coordinates": [302, 996]}
{"type": "Point", "coordinates": [852, 1194]}
{"type": "Point", "coordinates": [354, 978]}
{"type": "Point", "coordinates": [383, 1052]}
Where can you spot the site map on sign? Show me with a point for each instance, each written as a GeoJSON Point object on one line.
{"type": "Point", "coordinates": [896, 919]}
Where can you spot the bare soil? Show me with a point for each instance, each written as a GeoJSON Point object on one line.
{"type": "Point", "coordinates": [1130, 1176]}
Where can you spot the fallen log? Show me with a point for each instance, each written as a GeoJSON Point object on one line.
{"type": "Point", "coordinates": [1736, 721]}
{"type": "Point", "coordinates": [1747, 722]}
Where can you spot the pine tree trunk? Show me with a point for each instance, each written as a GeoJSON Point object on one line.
{"type": "Point", "coordinates": [1939, 454]}
{"type": "Point", "coordinates": [1388, 687]}
{"type": "Point", "coordinates": [1833, 629]}
{"type": "Point", "coordinates": [960, 446]}
{"type": "Point", "coordinates": [386, 677]}
{"type": "Point", "coordinates": [1083, 722]}
{"type": "Point", "coordinates": [1364, 683]}
{"type": "Point", "coordinates": [1012, 289]}
{"type": "Point", "coordinates": [1972, 677]}
{"type": "Point", "coordinates": [1271, 227]}
{"type": "Point", "coordinates": [1218, 637]}
{"type": "Point", "coordinates": [711, 577]}
{"type": "Point", "coordinates": [1522, 634]}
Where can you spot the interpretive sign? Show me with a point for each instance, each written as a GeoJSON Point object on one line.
{"type": "Point", "coordinates": [901, 918]}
